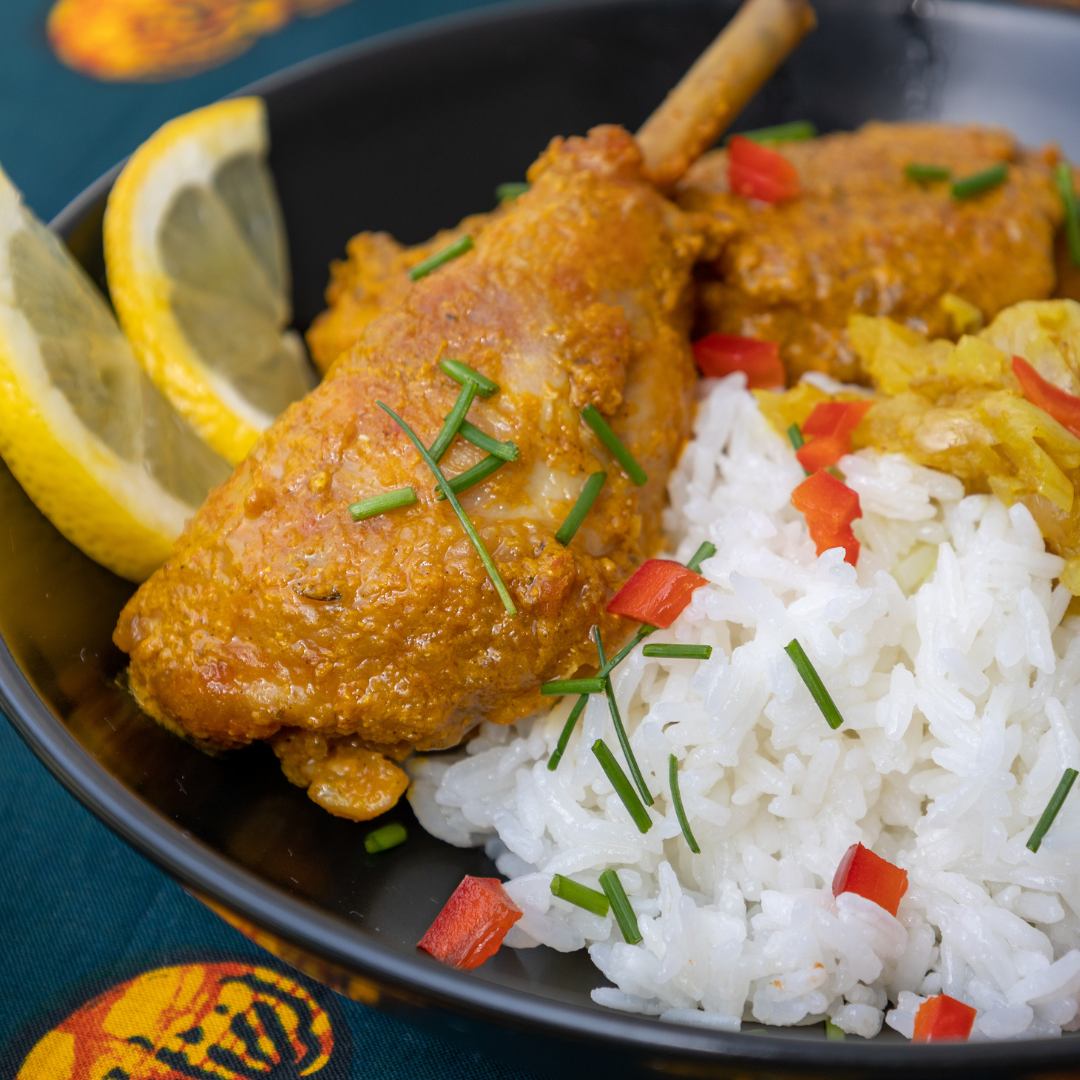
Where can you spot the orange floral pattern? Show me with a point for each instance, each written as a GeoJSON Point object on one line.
{"type": "Point", "coordinates": [132, 40]}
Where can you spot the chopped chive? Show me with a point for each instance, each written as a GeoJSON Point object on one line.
{"type": "Point", "coordinates": [466, 524]}
{"type": "Point", "coordinates": [613, 771]}
{"type": "Point", "coordinates": [977, 183]}
{"type": "Point", "coordinates": [379, 504]}
{"type": "Point", "coordinates": [433, 262]}
{"type": "Point", "coordinates": [583, 505]}
{"type": "Point", "coordinates": [559, 687]}
{"type": "Point", "coordinates": [706, 551]}
{"type": "Point", "coordinates": [460, 372]}
{"type": "Point", "coordinates": [1052, 809]}
{"type": "Point", "coordinates": [505, 450]}
{"type": "Point", "coordinates": [1064, 180]}
{"type": "Point", "coordinates": [793, 131]}
{"type": "Point", "coordinates": [620, 906]}
{"type": "Point", "coordinates": [834, 1033]}
{"type": "Point", "coordinates": [616, 719]}
{"type": "Point", "coordinates": [453, 421]}
{"type": "Point", "coordinates": [676, 800]}
{"type": "Point", "coordinates": [511, 190]}
{"type": "Point", "coordinates": [795, 435]}
{"type": "Point", "coordinates": [592, 417]}
{"type": "Point", "coordinates": [389, 836]}
{"type": "Point", "coordinates": [813, 683]}
{"type": "Point", "coordinates": [580, 895]}
{"type": "Point", "coordinates": [567, 731]}
{"type": "Point", "coordinates": [678, 652]}
{"type": "Point", "coordinates": [926, 174]}
{"type": "Point", "coordinates": [471, 477]}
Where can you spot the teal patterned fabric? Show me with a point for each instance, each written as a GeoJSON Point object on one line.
{"type": "Point", "coordinates": [79, 910]}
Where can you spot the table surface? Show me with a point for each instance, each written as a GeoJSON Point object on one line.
{"type": "Point", "coordinates": [80, 911]}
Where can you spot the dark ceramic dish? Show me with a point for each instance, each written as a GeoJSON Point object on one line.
{"type": "Point", "coordinates": [408, 134]}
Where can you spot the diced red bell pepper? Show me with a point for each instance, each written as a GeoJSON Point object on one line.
{"type": "Point", "coordinates": [835, 418]}
{"type": "Point", "coordinates": [472, 925]}
{"type": "Point", "coordinates": [823, 451]}
{"type": "Point", "coordinates": [943, 1019]}
{"type": "Point", "coordinates": [830, 507]}
{"type": "Point", "coordinates": [756, 172]}
{"type": "Point", "coordinates": [1063, 407]}
{"type": "Point", "coordinates": [861, 871]}
{"type": "Point", "coordinates": [656, 593]}
{"type": "Point", "coordinates": [722, 354]}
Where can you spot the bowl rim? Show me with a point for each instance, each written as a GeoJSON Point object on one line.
{"type": "Point", "coordinates": [192, 863]}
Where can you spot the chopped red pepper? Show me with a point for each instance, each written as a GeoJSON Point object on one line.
{"type": "Point", "coordinates": [722, 354]}
{"type": "Point", "coordinates": [830, 507]}
{"type": "Point", "coordinates": [472, 925]}
{"type": "Point", "coordinates": [861, 871]}
{"type": "Point", "coordinates": [823, 451]}
{"type": "Point", "coordinates": [756, 172]}
{"type": "Point", "coordinates": [835, 418]}
{"type": "Point", "coordinates": [656, 593]}
{"type": "Point", "coordinates": [1063, 407]}
{"type": "Point", "coordinates": [943, 1019]}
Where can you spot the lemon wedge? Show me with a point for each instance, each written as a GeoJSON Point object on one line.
{"type": "Point", "coordinates": [198, 270]}
{"type": "Point", "coordinates": [82, 428]}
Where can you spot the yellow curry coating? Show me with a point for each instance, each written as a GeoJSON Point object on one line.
{"type": "Point", "coordinates": [277, 611]}
{"type": "Point", "coordinates": [864, 238]}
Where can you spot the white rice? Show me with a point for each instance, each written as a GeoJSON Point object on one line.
{"type": "Point", "coordinates": [959, 682]}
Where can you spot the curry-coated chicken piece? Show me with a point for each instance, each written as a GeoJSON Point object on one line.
{"type": "Point", "coordinates": [278, 612]}
{"type": "Point", "coordinates": [862, 237]}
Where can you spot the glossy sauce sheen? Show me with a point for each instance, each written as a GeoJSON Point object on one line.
{"type": "Point", "coordinates": [276, 610]}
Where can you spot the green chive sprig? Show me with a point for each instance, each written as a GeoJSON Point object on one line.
{"type": "Point", "coordinates": [613, 771]}
{"type": "Point", "coordinates": [379, 504]}
{"type": "Point", "coordinates": [583, 505]}
{"type": "Point", "coordinates": [1064, 180]}
{"type": "Point", "coordinates": [706, 551]}
{"type": "Point", "coordinates": [591, 415]}
{"type": "Point", "coordinates": [560, 687]}
{"type": "Point", "coordinates": [620, 731]}
{"type": "Point", "coordinates": [813, 683]}
{"type": "Point", "coordinates": [834, 1033]}
{"type": "Point", "coordinates": [969, 186]}
{"type": "Point", "coordinates": [460, 372]}
{"type": "Point", "coordinates": [567, 731]}
{"type": "Point", "coordinates": [676, 801]}
{"type": "Point", "coordinates": [795, 435]}
{"type": "Point", "coordinates": [926, 174]}
{"type": "Point", "coordinates": [793, 131]}
{"type": "Point", "coordinates": [389, 836]}
{"type": "Point", "coordinates": [448, 253]}
{"type": "Point", "coordinates": [466, 524]}
{"type": "Point", "coordinates": [481, 439]}
{"type": "Point", "coordinates": [620, 906]}
{"type": "Point", "coordinates": [453, 421]}
{"type": "Point", "coordinates": [471, 477]}
{"type": "Point", "coordinates": [1057, 800]}
{"type": "Point", "coordinates": [677, 652]}
{"type": "Point", "coordinates": [509, 191]}
{"type": "Point", "coordinates": [580, 895]}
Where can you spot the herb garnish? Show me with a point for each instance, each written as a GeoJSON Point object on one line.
{"type": "Point", "coordinates": [616, 720]}
{"type": "Point", "coordinates": [453, 421]}
{"type": "Point", "coordinates": [389, 836]}
{"type": "Point", "coordinates": [505, 450]}
{"type": "Point", "coordinates": [466, 524]}
{"type": "Point", "coordinates": [379, 504]}
{"type": "Point", "coordinates": [677, 652]}
{"type": "Point", "coordinates": [927, 174]}
{"type": "Point", "coordinates": [511, 190]}
{"type": "Point", "coordinates": [471, 477]}
{"type": "Point", "coordinates": [620, 906]}
{"type": "Point", "coordinates": [591, 415]}
{"type": "Point", "coordinates": [613, 771]}
{"type": "Point", "coordinates": [460, 372]}
{"type": "Point", "coordinates": [676, 801]}
{"type": "Point", "coordinates": [1052, 809]}
{"type": "Point", "coordinates": [567, 731]}
{"type": "Point", "coordinates": [795, 435]}
{"type": "Point", "coordinates": [581, 507]}
{"type": "Point", "coordinates": [706, 551]}
{"type": "Point", "coordinates": [559, 687]}
{"type": "Point", "coordinates": [1064, 181]}
{"type": "Point", "coordinates": [979, 182]}
{"type": "Point", "coordinates": [580, 895]}
{"type": "Point", "coordinates": [793, 131]}
{"type": "Point", "coordinates": [433, 262]}
{"type": "Point", "coordinates": [813, 683]}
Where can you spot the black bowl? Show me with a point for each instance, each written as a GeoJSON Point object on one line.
{"type": "Point", "coordinates": [409, 133]}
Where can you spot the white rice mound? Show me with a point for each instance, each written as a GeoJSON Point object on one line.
{"type": "Point", "coordinates": [958, 677]}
